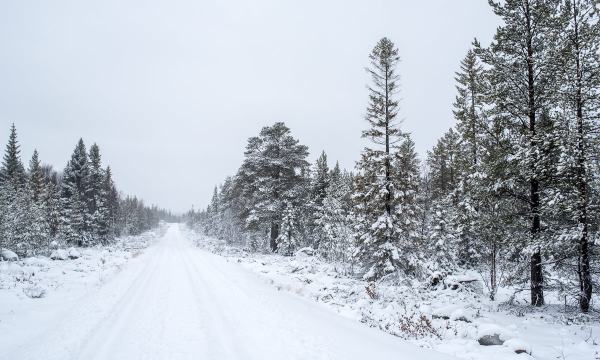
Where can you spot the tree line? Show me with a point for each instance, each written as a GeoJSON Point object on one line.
{"type": "Point", "coordinates": [41, 208]}
{"type": "Point", "coordinates": [510, 191]}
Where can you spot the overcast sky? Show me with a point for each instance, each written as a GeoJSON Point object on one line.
{"type": "Point", "coordinates": [171, 90]}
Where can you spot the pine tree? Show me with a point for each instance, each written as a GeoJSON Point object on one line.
{"type": "Point", "coordinates": [35, 222]}
{"type": "Point", "coordinates": [580, 36]}
{"type": "Point", "coordinates": [319, 184]}
{"type": "Point", "coordinates": [443, 165]}
{"type": "Point", "coordinates": [13, 197]}
{"type": "Point", "coordinates": [36, 180]}
{"type": "Point", "coordinates": [287, 239]}
{"type": "Point", "coordinates": [406, 178]}
{"type": "Point", "coordinates": [12, 171]}
{"type": "Point", "coordinates": [468, 109]}
{"type": "Point", "coordinates": [75, 222]}
{"type": "Point", "coordinates": [111, 202]}
{"type": "Point", "coordinates": [379, 188]}
{"type": "Point", "coordinates": [271, 176]}
{"type": "Point", "coordinates": [334, 222]}
{"type": "Point", "coordinates": [97, 210]}
{"type": "Point", "coordinates": [522, 76]}
{"type": "Point", "coordinates": [472, 128]}
{"type": "Point", "coordinates": [52, 205]}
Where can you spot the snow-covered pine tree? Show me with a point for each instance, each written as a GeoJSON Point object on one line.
{"type": "Point", "coordinates": [12, 171]}
{"type": "Point", "coordinates": [406, 178]}
{"type": "Point", "coordinates": [74, 189]}
{"type": "Point", "coordinates": [287, 240]}
{"type": "Point", "coordinates": [443, 175]}
{"type": "Point", "coordinates": [578, 134]}
{"type": "Point", "coordinates": [471, 127]}
{"type": "Point", "coordinates": [97, 210]}
{"type": "Point", "coordinates": [52, 205]}
{"type": "Point", "coordinates": [523, 75]}
{"type": "Point", "coordinates": [442, 161]}
{"type": "Point", "coordinates": [272, 175]}
{"type": "Point", "coordinates": [375, 186]}
{"type": "Point", "coordinates": [35, 177]}
{"type": "Point", "coordinates": [334, 222]}
{"type": "Point", "coordinates": [12, 191]}
{"type": "Point", "coordinates": [319, 184]}
{"type": "Point", "coordinates": [111, 202]}
{"type": "Point", "coordinates": [35, 224]}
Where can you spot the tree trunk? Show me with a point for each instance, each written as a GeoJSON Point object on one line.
{"type": "Point", "coordinates": [493, 273]}
{"type": "Point", "coordinates": [537, 289]}
{"type": "Point", "coordinates": [388, 196]}
{"type": "Point", "coordinates": [585, 278]}
{"type": "Point", "coordinates": [274, 236]}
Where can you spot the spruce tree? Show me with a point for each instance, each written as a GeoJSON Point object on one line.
{"type": "Point", "coordinates": [97, 210]}
{"type": "Point", "coordinates": [379, 188]}
{"type": "Point", "coordinates": [287, 240]}
{"type": "Point", "coordinates": [472, 128]}
{"type": "Point", "coordinates": [74, 193]}
{"type": "Point", "coordinates": [13, 195]}
{"type": "Point", "coordinates": [319, 184]}
{"type": "Point", "coordinates": [111, 202]}
{"type": "Point", "coordinates": [12, 171]}
{"type": "Point", "coordinates": [468, 108]}
{"type": "Point", "coordinates": [334, 222]}
{"type": "Point", "coordinates": [36, 180]}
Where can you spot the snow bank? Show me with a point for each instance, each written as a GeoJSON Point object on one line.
{"type": "Point", "coordinates": [450, 316]}
{"type": "Point", "coordinates": [8, 255]}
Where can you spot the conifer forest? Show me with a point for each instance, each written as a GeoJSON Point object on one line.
{"type": "Point", "coordinates": [482, 244]}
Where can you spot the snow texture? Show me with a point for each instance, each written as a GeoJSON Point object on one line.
{"type": "Point", "coordinates": [448, 319]}
{"type": "Point", "coordinates": [173, 301]}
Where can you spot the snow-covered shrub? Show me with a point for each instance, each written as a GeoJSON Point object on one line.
{"type": "Point", "coordinates": [59, 254]}
{"type": "Point", "coordinates": [35, 292]}
{"type": "Point", "coordinates": [74, 253]}
{"type": "Point", "coordinates": [417, 326]}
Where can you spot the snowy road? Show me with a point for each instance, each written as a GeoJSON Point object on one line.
{"type": "Point", "coordinates": [179, 302]}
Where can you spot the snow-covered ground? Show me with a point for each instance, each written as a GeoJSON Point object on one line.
{"type": "Point", "coordinates": [39, 295]}
{"type": "Point", "coordinates": [173, 301]}
{"type": "Point", "coordinates": [443, 319]}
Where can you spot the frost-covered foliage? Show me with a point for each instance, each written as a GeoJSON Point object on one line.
{"type": "Point", "coordinates": [80, 207]}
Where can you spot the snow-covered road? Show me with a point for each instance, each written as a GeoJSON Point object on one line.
{"type": "Point", "coordinates": [179, 302]}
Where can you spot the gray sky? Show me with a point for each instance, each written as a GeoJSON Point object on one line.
{"type": "Point", "coordinates": [171, 90]}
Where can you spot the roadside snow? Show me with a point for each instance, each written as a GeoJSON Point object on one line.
{"type": "Point", "coordinates": [449, 319]}
{"type": "Point", "coordinates": [36, 292]}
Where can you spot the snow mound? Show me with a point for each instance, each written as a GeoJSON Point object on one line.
{"type": "Point", "coordinates": [492, 334]}
{"type": "Point", "coordinates": [35, 292]}
{"type": "Point", "coordinates": [452, 312]}
{"type": "Point", "coordinates": [74, 253]}
{"type": "Point", "coordinates": [36, 261]}
{"type": "Point", "coordinates": [59, 254]}
{"type": "Point", "coordinates": [306, 251]}
{"type": "Point", "coordinates": [8, 255]}
{"type": "Point", "coordinates": [518, 346]}
{"type": "Point", "coordinates": [461, 315]}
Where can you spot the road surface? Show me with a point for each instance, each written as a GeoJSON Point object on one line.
{"type": "Point", "coordinates": [179, 302]}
